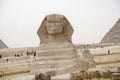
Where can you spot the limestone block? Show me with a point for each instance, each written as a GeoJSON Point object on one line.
{"type": "Point", "coordinates": [41, 76]}
{"type": "Point", "coordinates": [115, 76]}
{"type": "Point", "coordinates": [91, 74]}
{"type": "Point", "coordinates": [15, 66]}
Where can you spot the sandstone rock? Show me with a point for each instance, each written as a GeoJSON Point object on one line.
{"type": "Point", "coordinates": [86, 54]}
{"type": "Point", "coordinates": [115, 76]}
{"type": "Point", "coordinates": [51, 73]}
{"type": "Point", "coordinates": [91, 74]}
{"type": "Point", "coordinates": [41, 76]}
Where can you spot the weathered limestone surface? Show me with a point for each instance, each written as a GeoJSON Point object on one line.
{"type": "Point", "coordinates": [56, 48]}
{"type": "Point", "coordinates": [41, 76]}
{"type": "Point", "coordinates": [91, 74]}
{"type": "Point", "coordinates": [54, 59]}
{"type": "Point", "coordinates": [11, 66]}
{"type": "Point", "coordinates": [115, 76]}
{"type": "Point", "coordinates": [56, 53]}
{"type": "Point", "coordinates": [103, 59]}
{"type": "Point", "coordinates": [113, 35]}
{"type": "Point", "coordinates": [55, 28]}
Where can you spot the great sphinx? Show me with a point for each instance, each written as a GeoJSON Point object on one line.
{"type": "Point", "coordinates": [55, 34]}
{"type": "Point", "coordinates": [55, 28]}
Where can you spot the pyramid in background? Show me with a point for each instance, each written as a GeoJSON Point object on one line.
{"type": "Point", "coordinates": [113, 35]}
{"type": "Point", "coordinates": [2, 44]}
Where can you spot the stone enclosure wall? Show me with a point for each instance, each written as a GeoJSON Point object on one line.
{"type": "Point", "coordinates": [9, 66]}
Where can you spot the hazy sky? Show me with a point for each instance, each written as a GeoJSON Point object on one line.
{"type": "Point", "coordinates": [91, 19]}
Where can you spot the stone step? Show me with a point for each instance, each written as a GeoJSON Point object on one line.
{"type": "Point", "coordinates": [62, 77]}
{"type": "Point", "coordinates": [53, 61]}
{"type": "Point", "coordinates": [45, 70]}
{"type": "Point", "coordinates": [55, 52]}
{"type": "Point", "coordinates": [59, 46]}
{"type": "Point", "coordinates": [19, 77]}
{"type": "Point", "coordinates": [58, 57]}
{"type": "Point", "coordinates": [52, 70]}
{"type": "Point", "coordinates": [15, 60]}
{"type": "Point", "coordinates": [53, 64]}
{"type": "Point", "coordinates": [14, 69]}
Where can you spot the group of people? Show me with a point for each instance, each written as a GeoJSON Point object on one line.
{"type": "Point", "coordinates": [18, 55]}
{"type": "Point", "coordinates": [27, 53]}
{"type": "Point", "coordinates": [31, 53]}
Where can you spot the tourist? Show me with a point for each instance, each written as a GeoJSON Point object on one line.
{"type": "Point", "coordinates": [21, 54]}
{"type": "Point", "coordinates": [27, 53]}
{"type": "Point", "coordinates": [84, 47]}
{"type": "Point", "coordinates": [15, 55]}
{"type": "Point", "coordinates": [108, 51]}
{"type": "Point", "coordinates": [34, 53]}
{"type": "Point", "coordinates": [0, 56]}
{"type": "Point", "coordinates": [7, 59]}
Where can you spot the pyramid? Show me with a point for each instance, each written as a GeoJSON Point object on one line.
{"type": "Point", "coordinates": [2, 44]}
{"type": "Point", "coordinates": [113, 35]}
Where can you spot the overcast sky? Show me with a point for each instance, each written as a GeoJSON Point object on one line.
{"type": "Point", "coordinates": [91, 19]}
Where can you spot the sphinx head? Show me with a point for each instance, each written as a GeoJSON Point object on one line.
{"type": "Point", "coordinates": [55, 25]}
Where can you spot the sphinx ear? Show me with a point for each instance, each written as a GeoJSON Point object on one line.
{"type": "Point", "coordinates": [68, 30]}
{"type": "Point", "coordinates": [42, 31]}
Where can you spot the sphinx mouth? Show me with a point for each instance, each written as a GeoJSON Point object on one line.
{"type": "Point", "coordinates": [55, 31]}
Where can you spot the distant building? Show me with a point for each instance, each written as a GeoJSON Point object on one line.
{"type": "Point", "coordinates": [2, 44]}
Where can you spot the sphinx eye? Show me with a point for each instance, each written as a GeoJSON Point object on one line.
{"type": "Point", "coordinates": [49, 24]}
{"type": "Point", "coordinates": [49, 21]}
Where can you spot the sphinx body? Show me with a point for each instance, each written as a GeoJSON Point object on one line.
{"type": "Point", "coordinates": [55, 34]}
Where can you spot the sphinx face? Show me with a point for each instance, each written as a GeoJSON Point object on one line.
{"type": "Point", "coordinates": [54, 27]}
